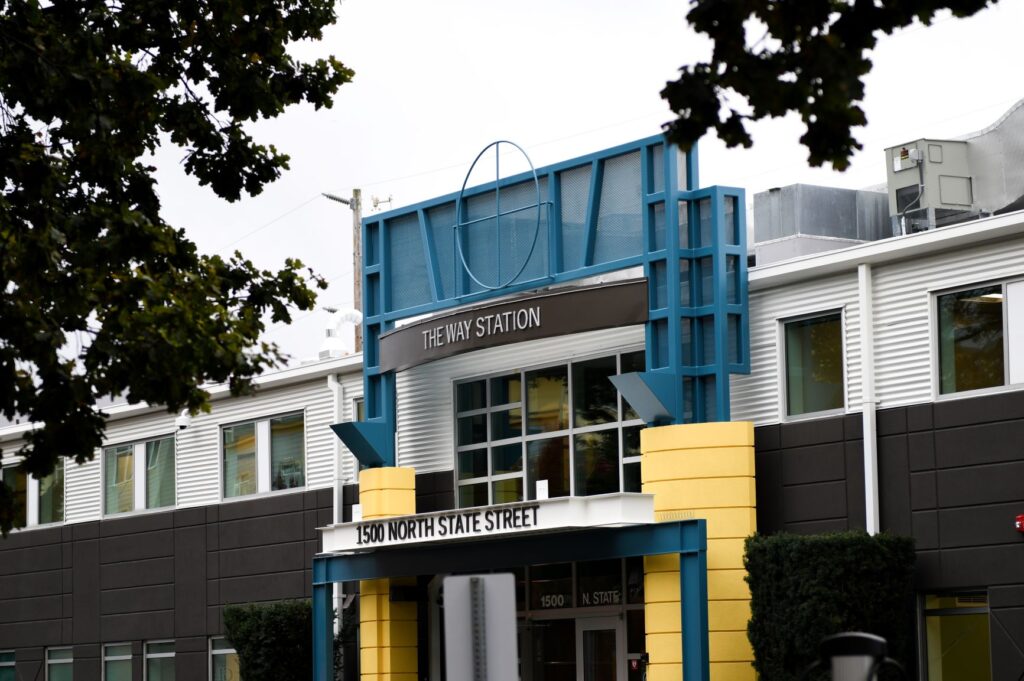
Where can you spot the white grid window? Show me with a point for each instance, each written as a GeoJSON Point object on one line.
{"type": "Point", "coordinates": [59, 664]}
{"type": "Point", "coordinates": [117, 662]}
{"type": "Point", "coordinates": [139, 475]}
{"type": "Point", "coordinates": [263, 456]}
{"type": "Point", "coordinates": [564, 424]}
{"type": "Point", "coordinates": [223, 661]}
{"type": "Point", "coordinates": [159, 661]}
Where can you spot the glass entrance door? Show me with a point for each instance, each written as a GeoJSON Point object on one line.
{"type": "Point", "coordinates": [600, 649]}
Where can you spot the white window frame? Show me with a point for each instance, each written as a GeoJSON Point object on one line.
{"type": "Point", "coordinates": [212, 652]}
{"type": "Point", "coordinates": [781, 369]}
{"type": "Point", "coordinates": [263, 467]}
{"type": "Point", "coordinates": [32, 502]}
{"type": "Point", "coordinates": [147, 656]}
{"type": "Point", "coordinates": [47, 662]}
{"type": "Point", "coordinates": [112, 658]}
{"type": "Point", "coordinates": [139, 473]}
{"type": "Point", "coordinates": [1013, 327]}
{"type": "Point", "coordinates": [524, 439]}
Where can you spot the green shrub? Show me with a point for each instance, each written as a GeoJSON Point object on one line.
{"type": "Point", "coordinates": [804, 588]}
{"type": "Point", "coordinates": [274, 641]}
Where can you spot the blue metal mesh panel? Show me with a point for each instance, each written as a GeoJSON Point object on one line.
{"type": "Point", "coordinates": [659, 285]}
{"type": "Point", "coordinates": [619, 220]}
{"type": "Point", "coordinates": [686, 340]}
{"type": "Point", "coordinates": [408, 264]}
{"type": "Point", "coordinates": [441, 221]}
{"type": "Point", "coordinates": [681, 177]}
{"type": "Point", "coordinates": [684, 224]}
{"type": "Point", "coordinates": [707, 326]}
{"type": "Point", "coordinates": [513, 234]}
{"type": "Point", "coordinates": [685, 295]}
{"type": "Point", "coordinates": [706, 270]}
{"type": "Point", "coordinates": [575, 197]}
{"type": "Point", "coordinates": [706, 228]}
{"type": "Point", "coordinates": [657, 169]}
{"type": "Point", "coordinates": [658, 226]}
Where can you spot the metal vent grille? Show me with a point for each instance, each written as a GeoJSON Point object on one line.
{"type": "Point", "coordinates": [619, 221]}
{"type": "Point", "coordinates": [409, 283]}
{"type": "Point", "coordinates": [441, 221]}
{"type": "Point", "coordinates": [575, 197]}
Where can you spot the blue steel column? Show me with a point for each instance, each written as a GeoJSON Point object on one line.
{"type": "Point", "coordinates": [693, 608]}
{"type": "Point", "coordinates": [323, 620]}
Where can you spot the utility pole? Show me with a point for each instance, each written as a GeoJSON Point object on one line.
{"type": "Point", "coordinates": [356, 204]}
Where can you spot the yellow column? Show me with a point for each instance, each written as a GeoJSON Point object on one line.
{"type": "Point", "coordinates": [387, 630]}
{"type": "Point", "coordinates": [701, 470]}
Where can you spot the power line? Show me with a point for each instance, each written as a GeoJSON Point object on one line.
{"type": "Point", "coordinates": [268, 224]}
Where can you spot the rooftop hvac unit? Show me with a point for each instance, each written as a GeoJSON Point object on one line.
{"type": "Point", "coordinates": [929, 185]}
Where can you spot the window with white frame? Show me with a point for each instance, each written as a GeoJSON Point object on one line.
{"type": "Point", "coordinates": [117, 662]}
{"type": "Point", "coordinates": [138, 475]}
{"type": "Point", "coordinates": [979, 332]}
{"type": "Point", "coordinates": [60, 664]}
{"type": "Point", "coordinates": [263, 456]}
{"type": "Point", "coordinates": [36, 502]}
{"type": "Point", "coordinates": [564, 424]}
{"type": "Point", "coordinates": [7, 670]}
{"type": "Point", "coordinates": [814, 364]}
{"type": "Point", "coordinates": [159, 661]}
{"type": "Point", "coordinates": [223, 661]}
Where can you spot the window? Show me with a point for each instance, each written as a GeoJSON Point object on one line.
{"type": "Point", "coordinates": [59, 664]}
{"type": "Point", "coordinates": [264, 456]}
{"type": "Point", "coordinates": [814, 364]}
{"type": "Point", "coordinates": [138, 475]}
{"type": "Point", "coordinates": [7, 672]}
{"type": "Point", "coordinates": [223, 661]}
{"type": "Point", "coordinates": [16, 481]}
{"type": "Point", "coordinates": [970, 325]}
{"type": "Point", "coordinates": [564, 424]}
{"type": "Point", "coordinates": [957, 636]}
{"type": "Point", "coordinates": [36, 501]}
{"type": "Point", "coordinates": [160, 661]}
{"type": "Point", "coordinates": [117, 662]}
{"type": "Point", "coordinates": [51, 496]}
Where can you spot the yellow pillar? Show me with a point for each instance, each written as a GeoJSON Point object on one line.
{"type": "Point", "coordinates": [701, 470]}
{"type": "Point", "coordinates": [387, 630]}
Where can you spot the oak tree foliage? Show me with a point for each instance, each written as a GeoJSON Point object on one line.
{"type": "Point", "coordinates": [101, 296]}
{"type": "Point", "coordinates": [806, 56]}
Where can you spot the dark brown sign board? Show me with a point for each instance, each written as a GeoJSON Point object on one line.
{"type": "Point", "coordinates": [529, 317]}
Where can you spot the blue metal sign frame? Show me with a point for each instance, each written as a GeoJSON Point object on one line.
{"type": "Point", "coordinates": [691, 243]}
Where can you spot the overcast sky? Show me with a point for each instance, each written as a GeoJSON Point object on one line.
{"type": "Point", "coordinates": [437, 81]}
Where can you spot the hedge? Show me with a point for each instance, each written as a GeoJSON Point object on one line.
{"type": "Point", "coordinates": [274, 641]}
{"type": "Point", "coordinates": [806, 587]}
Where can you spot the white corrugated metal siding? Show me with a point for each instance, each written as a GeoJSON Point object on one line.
{"type": "Point", "coordinates": [425, 417]}
{"type": "Point", "coordinates": [351, 390]}
{"type": "Point", "coordinates": [82, 491]}
{"type": "Point", "coordinates": [756, 397]}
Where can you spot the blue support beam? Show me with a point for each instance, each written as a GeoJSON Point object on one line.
{"type": "Point", "coordinates": [323, 629]}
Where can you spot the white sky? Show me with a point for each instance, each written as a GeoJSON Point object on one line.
{"type": "Point", "coordinates": [436, 82]}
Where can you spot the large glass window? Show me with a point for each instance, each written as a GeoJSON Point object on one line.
{"type": "Point", "coordinates": [17, 482]}
{"type": "Point", "coordinates": [565, 425]}
{"type": "Point", "coordinates": [957, 637]}
{"type": "Point", "coordinates": [60, 664]}
{"type": "Point", "coordinates": [287, 455]}
{"type": "Point", "coordinates": [970, 325]}
{"type": "Point", "coordinates": [160, 661]}
{"type": "Point", "coordinates": [814, 364]}
{"type": "Point", "coordinates": [160, 473]}
{"type": "Point", "coordinates": [51, 495]}
{"type": "Point", "coordinates": [7, 671]}
{"type": "Point", "coordinates": [239, 460]}
{"type": "Point", "coordinates": [117, 662]}
{"type": "Point", "coordinates": [264, 456]}
{"type": "Point", "coordinates": [223, 661]}
{"type": "Point", "coordinates": [138, 475]}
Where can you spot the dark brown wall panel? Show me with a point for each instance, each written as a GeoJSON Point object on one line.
{"type": "Point", "coordinates": [809, 476]}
